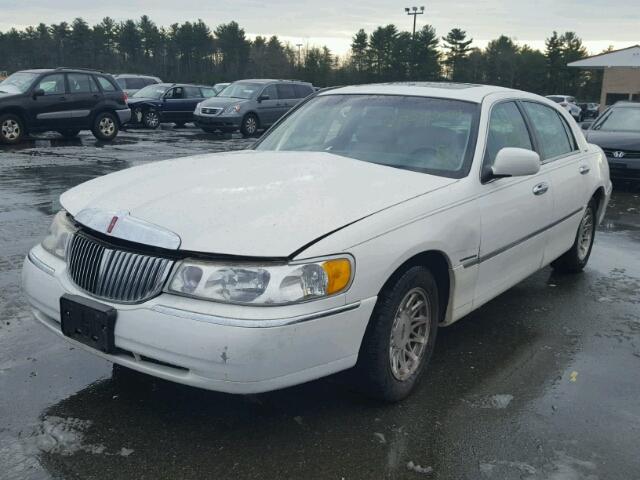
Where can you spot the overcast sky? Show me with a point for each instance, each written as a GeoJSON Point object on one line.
{"type": "Point", "coordinates": [332, 22]}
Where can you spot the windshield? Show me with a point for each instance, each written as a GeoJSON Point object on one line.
{"type": "Point", "coordinates": [18, 82]}
{"type": "Point", "coordinates": [620, 119]}
{"type": "Point", "coordinates": [426, 135]}
{"type": "Point", "coordinates": [241, 90]}
{"type": "Point", "coordinates": [151, 91]}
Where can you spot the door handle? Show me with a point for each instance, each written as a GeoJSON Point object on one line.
{"type": "Point", "coordinates": [584, 169]}
{"type": "Point", "coordinates": [541, 188]}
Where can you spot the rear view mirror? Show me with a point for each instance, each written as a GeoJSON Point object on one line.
{"type": "Point", "coordinates": [38, 92]}
{"type": "Point", "coordinates": [263, 97]}
{"type": "Point", "coordinates": [515, 162]}
{"type": "Point", "coordinates": [586, 125]}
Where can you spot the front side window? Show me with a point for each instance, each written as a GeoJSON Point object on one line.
{"type": "Point", "coordinates": [620, 119]}
{"type": "Point", "coordinates": [550, 131]}
{"type": "Point", "coordinates": [18, 82]}
{"type": "Point", "coordinates": [507, 128]}
{"type": "Point", "coordinates": [175, 93]}
{"type": "Point", "coordinates": [52, 84]}
{"type": "Point", "coordinates": [427, 135]}
{"type": "Point", "coordinates": [81, 83]}
{"type": "Point", "coordinates": [271, 92]}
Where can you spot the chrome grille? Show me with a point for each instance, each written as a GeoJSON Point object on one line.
{"type": "Point", "coordinates": [211, 111]}
{"type": "Point", "coordinates": [626, 154]}
{"type": "Point", "coordinates": [114, 274]}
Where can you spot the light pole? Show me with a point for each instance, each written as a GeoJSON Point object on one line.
{"type": "Point", "coordinates": [415, 11]}
{"type": "Point", "coordinates": [299, 45]}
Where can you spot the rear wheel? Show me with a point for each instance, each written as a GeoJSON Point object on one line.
{"type": "Point", "coordinates": [576, 258]}
{"type": "Point", "coordinates": [151, 119]}
{"type": "Point", "coordinates": [105, 126]}
{"type": "Point", "coordinates": [11, 129]}
{"type": "Point", "coordinates": [249, 125]}
{"type": "Point", "coordinates": [400, 337]}
{"type": "Point", "coordinates": [69, 133]}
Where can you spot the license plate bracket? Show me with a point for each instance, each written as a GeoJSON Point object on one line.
{"type": "Point", "coordinates": [88, 322]}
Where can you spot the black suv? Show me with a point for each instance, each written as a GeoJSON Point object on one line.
{"type": "Point", "coordinates": [65, 100]}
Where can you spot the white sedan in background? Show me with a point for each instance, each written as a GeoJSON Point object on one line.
{"type": "Point", "coordinates": [361, 223]}
{"type": "Point", "coordinates": [569, 104]}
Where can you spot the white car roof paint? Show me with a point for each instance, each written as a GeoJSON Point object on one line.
{"type": "Point", "coordinates": [457, 91]}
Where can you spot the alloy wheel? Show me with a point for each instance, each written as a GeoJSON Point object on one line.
{"type": "Point", "coordinates": [107, 126]}
{"type": "Point", "coordinates": [409, 334]}
{"type": "Point", "coordinates": [585, 234]}
{"type": "Point", "coordinates": [251, 125]}
{"type": "Point", "coordinates": [151, 119]}
{"type": "Point", "coordinates": [10, 129]}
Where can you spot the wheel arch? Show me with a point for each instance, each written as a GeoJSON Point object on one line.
{"type": "Point", "coordinates": [15, 110]}
{"type": "Point", "coordinates": [439, 265]}
{"type": "Point", "coordinates": [599, 197]}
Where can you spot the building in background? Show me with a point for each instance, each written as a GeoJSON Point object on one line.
{"type": "Point", "coordinates": [621, 78]}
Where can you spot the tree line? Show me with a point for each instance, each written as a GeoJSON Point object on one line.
{"type": "Point", "coordinates": [192, 52]}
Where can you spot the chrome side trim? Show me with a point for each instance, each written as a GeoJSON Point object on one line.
{"type": "Point", "coordinates": [250, 323]}
{"type": "Point", "coordinates": [500, 250]}
{"type": "Point", "coordinates": [40, 264]}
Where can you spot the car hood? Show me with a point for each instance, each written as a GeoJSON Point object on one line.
{"type": "Point", "coordinates": [8, 95]}
{"type": "Point", "coordinates": [250, 203]}
{"type": "Point", "coordinates": [614, 140]}
{"type": "Point", "coordinates": [222, 101]}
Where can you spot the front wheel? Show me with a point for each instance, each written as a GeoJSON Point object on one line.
{"type": "Point", "coordinates": [11, 129]}
{"type": "Point", "coordinates": [400, 337]}
{"type": "Point", "coordinates": [576, 258]}
{"type": "Point", "coordinates": [151, 119]}
{"type": "Point", "coordinates": [249, 125]}
{"type": "Point", "coordinates": [105, 126]}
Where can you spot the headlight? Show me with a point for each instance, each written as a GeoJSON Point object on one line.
{"type": "Point", "coordinates": [60, 233]}
{"type": "Point", "coordinates": [198, 108]}
{"type": "Point", "coordinates": [262, 284]}
{"type": "Point", "coordinates": [233, 108]}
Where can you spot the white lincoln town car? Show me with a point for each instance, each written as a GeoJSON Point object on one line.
{"type": "Point", "coordinates": [363, 221]}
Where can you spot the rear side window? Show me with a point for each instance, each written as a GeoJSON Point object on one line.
{"type": "Point", "coordinates": [81, 83]}
{"type": "Point", "coordinates": [106, 85]}
{"type": "Point", "coordinates": [550, 130]}
{"type": "Point", "coordinates": [302, 91]}
{"type": "Point", "coordinates": [135, 83]}
{"type": "Point", "coordinates": [507, 128]}
{"type": "Point", "coordinates": [285, 91]}
{"type": "Point", "coordinates": [192, 92]}
{"type": "Point", "coordinates": [208, 92]}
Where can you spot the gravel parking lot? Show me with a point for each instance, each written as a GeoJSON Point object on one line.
{"type": "Point", "coordinates": [541, 383]}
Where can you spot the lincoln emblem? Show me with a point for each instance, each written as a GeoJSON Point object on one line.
{"type": "Point", "coordinates": [112, 224]}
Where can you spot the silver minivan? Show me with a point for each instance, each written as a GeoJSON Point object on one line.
{"type": "Point", "coordinates": [250, 105]}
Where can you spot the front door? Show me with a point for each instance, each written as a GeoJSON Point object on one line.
{"type": "Point", "coordinates": [515, 212]}
{"type": "Point", "coordinates": [268, 109]}
{"type": "Point", "coordinates": [51, 110]}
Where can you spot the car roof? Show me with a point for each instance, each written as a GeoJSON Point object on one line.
{"type": "Point", "coordinates": [269, 80]}
{"type": "Point", "coordinates": [63, 69]}
{"type": "Point", "coordinates": [460, 91]}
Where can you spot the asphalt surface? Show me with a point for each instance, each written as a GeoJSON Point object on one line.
{"type": "Point", "coordinates": [541, 383]}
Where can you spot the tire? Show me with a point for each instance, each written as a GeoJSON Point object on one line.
{"type": "Point", "coordinates": [11, 129]}
{"type": "Point", "coordinates": [576, 258]}
{"type": "Point", "coordinates": [69, 133]}
{"type": "Point", "coordinates": [151, 119]}
{"type": "Point", "coordinates": [379, 371]}
{"type": "Point", "coordinates": [249, 125]}
{"type": "Point", "coordinates": [105, 126]}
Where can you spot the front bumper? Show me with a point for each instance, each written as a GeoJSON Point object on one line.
{"type": "Point", "coordinates": [621, 169]}
{"type": "Point", "coordinates": [200, 344]}
{"type": "Point", "coordinates": [222, 122]}
{"type": "Point", "coordinates": [124, 115]}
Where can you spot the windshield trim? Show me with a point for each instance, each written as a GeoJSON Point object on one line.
{"type": "Point", "coordinates": [472, 143]}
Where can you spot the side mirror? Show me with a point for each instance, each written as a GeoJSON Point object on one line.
{"type": "Point", "coordinates": [586, 125]}
{"type": "Point", "coordinates": [38, 92]}
{"type": "Point", "coordinates": [263, 97]}
{"type": "Point", "coordinates": [515, 162]}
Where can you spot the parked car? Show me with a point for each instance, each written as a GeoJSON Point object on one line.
{"type": "Point", "coordinates": [249, 105]}
{"type": "Point", "coordinates": [569, 104]}
{"type": "Point", "coordinates": [64, 100]}
{"type": "Point", "coordinates": [131, 82]}
{"type": "Point", "coordinates": [218, 87]}
{"type": "Point", "coordinates": [368, 218]}
{"type": "Point", "coordinates": [167, 102]}
{"type": "Point", "coordinates": [617, 132]}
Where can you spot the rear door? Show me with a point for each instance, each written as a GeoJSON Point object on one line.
{"type": "Point", "coordinates": [192, 97]}
{"type": "Point", "coordinates": [82, 98]}
{"type": "Point", "coordinates": [515, 211]}
{"type": "Point", "coordinates": [567, 170]}
{"type": "Point", "coordinates": [269, 109]}
{"type": "Point", "coordinates": [51, 110]}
